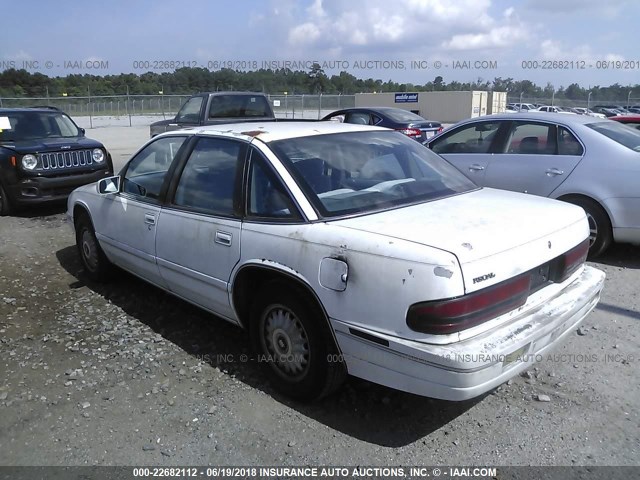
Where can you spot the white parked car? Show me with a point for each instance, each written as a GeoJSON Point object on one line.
{"type": "Point", "coordinates": [589, 112]}
{"type": "Point", "coordinates": [552, 109]}
{"type": "Point", "coordinates": [345, 248]}
{"type": "Point", "coordinates": [522, 107]}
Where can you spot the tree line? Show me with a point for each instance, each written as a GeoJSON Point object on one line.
{"type": "Point", "coordinates": [186, 81]}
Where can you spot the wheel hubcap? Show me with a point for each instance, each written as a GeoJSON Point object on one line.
{"type": "Point", "coordinates": [89, 250]}
{"type": "Point", "coordinates": [593, 229]}
{"type": "Point", "coordinates": [286, 342]}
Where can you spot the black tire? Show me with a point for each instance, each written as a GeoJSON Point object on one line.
{"type": "Point", "coordinates": [5, 203]}
{"type": "Point", "coordinates": [293, 342]}
{"type": "Point", "coordinates": [96, 264]}
{"type": "Point", "coordinates": [601, 234]}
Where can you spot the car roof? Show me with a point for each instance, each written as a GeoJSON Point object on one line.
{"type": "Point", "coordinates": [549, 117]}
{"type": "Point", "coordinates": [29, 109]}
{"type": "Point", "coordinates": [271, 131]}
{"type": "Point", "coordinates": [375, 109]}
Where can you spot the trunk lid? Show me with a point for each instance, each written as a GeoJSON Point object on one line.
{"type": "Point", "coordinates": [495, 234]}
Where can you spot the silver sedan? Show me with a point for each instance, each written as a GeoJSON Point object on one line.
{"type": "Point", "coordinates": [587, 161]}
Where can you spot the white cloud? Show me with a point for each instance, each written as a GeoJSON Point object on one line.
{"type": "Point", "coordinates": [404, 27]}
{"type": "Point", "coordinates": [554, 50]}
{"type": "Point", "coordinates": [20, 55]}
{"type": "Point", "coordinates": [497, 37]}
{"type": "Point", "coordinates": [304, 34]}
{"type": "Point", "coordinates": [608, 8]}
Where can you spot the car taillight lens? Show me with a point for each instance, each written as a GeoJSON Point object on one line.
{"type": "Point", "coordinates": [411, 132]}
{"type": "Point", "coordinates": [572, 260]}
{"type": "Point", "coordinates": [439, 130]}
{"type": "Point", "coordinates": [453, 315]}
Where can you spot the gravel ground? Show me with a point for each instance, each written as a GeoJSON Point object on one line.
{"type": "Point", "coordinates": [124, 374]}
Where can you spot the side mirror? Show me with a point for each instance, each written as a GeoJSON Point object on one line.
{"type": "Point", "coordinates": [109, 185]}
{"type": "Point", "coordinates": [82, 132]}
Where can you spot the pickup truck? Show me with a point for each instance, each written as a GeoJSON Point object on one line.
{"type": "Point", "coordinates": [217, 108]}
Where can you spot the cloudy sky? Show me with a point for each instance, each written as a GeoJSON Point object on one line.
{"type": "Point", "coordinates": [402, 40]}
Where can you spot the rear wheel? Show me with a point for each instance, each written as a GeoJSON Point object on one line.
{"type": "Point", "coordinates": [293, 341]}
{"type": "Point", "coordinates": [600, 233]}
{"type": "Point", "coordinates": [5, 205]}
{"type": "Point", "coordinates": [95, 263]}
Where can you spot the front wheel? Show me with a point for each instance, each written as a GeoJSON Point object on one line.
{"type": "Point", "coordinates": [294, 343]}
{"type": "Point", "coordinates": [600, 233]}
{"type": "Point", "coordinates": [5, 205]}
{"type": "Point", "coordinates": [95, 262]}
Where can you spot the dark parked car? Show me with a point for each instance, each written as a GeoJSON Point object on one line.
{"type": "Point", "coordinates": [44, 156]}
{"type": "Point", "coordinates": [214, 108]}
{"type": "Point", "coordinates": [409, 123]}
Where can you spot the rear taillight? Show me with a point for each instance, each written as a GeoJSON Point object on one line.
{"type": "Point", "coordinates": [456, 314]}
{"type": "Point", "coordinates": [571, 261]}
{"type": "Point", "coordinates": [411, 132]}
{"type": "Point", "coordinates": [439, 130]}
{"type": "Point", "coordinates": [453, 315]}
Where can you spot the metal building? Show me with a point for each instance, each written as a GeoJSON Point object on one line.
{"type": "Point", "coordinates": [447, 107]}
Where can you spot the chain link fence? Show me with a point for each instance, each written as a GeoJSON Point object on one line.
{"type": "Point", "coordinates": [564, 102]}
{"type": "Point", "coordinates": [110, 110]}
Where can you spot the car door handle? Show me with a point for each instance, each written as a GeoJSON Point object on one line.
{"type": "Point", "coordinates": [475, 167]}
{"type": "Point", "coordinates": [552, 172]}
{"type": "Point", "coordinates": [223, 238]}
{"type": "Point", "coordinates": [149, 219]}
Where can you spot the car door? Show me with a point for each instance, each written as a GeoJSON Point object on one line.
{"type": "Point", "coordinates": [469, 147]}
{"type": "Point", "coordinates": [190, 114]}
{"type": "Point", "coordinates": [126, 221]}
{"type": "Point", "coordinates": [537, 158]}
{"type": "Point", "coordinates": [198, 234]}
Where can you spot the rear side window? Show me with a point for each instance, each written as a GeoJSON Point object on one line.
{"type": "Point", "coordinates": [266, 196]}
{"type": "Point", "coordinates": [474, 138]}
{"type": "Point", "coordinates": [532, 139]}
{"type": "Point", "coordinates": [568, 144]}
{"type": "Point", "coordinates": [621, 134]}
{"type": "Point", "coordinates": [359, 118]}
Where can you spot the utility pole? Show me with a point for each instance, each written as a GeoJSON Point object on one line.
{"type": "Point", "coordinates": [89, 107]}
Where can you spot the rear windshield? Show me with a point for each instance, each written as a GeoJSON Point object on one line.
{"type": "Point", "coordinates": [398, 115]}
{"type": "Point", "coordinates": [359, 172]}
{"type": "Point", "coordinates": [229, 106]}
{"type": "Point", "coordinates": [623, 134]}
{"type": "Point", "coordinates": [25, 125]}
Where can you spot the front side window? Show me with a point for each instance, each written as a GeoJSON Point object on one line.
{"type": "Point", "coordinates": [358, 172]}
{"type": "Point", "coordinates": [190, 111]}
{"type": "Point", "coordinates": [146, 172]}
{"type": "Point", "coordinates": [208, 181]}
{"type": "Point", "coordinates": [474, 138]}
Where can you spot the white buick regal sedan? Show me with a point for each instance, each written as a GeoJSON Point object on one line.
{"type": "Point", "coordinates": [345, 249]}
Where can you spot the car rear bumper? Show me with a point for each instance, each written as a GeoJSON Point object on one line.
{"type": "Point", "coordinates": [34, 190]}
{"type": "Point", "coordinates": [467, 369]}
